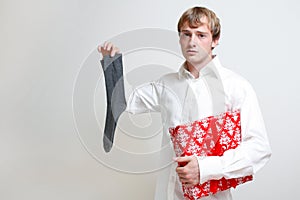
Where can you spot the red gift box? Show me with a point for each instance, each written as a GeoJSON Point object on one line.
{"type": "Point", "coordinates": [211, 136]}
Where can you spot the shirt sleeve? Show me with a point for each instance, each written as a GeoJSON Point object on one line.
{"type": "Point", "coordinates": [144, 98]}
{"type": "Point", "coordinates": [250, 156]}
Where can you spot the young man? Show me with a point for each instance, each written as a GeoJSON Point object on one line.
{"type": "Point", "coordinates": [204, 94]}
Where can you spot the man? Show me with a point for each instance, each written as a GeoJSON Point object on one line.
{"type": "Point", "coordinates": [203, 89]}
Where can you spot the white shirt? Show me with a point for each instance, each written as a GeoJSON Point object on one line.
{"type": "Point", "coordinates": [181, 98]}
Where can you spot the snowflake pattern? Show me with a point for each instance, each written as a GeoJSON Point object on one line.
{"type": "Point", "coordinates": [211, 136]}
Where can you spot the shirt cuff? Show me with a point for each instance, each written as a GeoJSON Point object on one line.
{"type": "Point", "coordinates": [210, 168]}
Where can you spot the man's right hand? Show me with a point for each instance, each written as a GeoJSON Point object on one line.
{"type": "Point", "coordinates": [108, 49]}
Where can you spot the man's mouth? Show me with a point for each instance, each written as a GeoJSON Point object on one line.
{"type": "Point", "coordinates": [191, 51]}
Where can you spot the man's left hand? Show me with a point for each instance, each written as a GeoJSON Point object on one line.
{"type": "Point", "coordinates": [188, 170]}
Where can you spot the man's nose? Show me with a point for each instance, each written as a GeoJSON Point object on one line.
{"type": "Point", "coordinates": [192, 40]}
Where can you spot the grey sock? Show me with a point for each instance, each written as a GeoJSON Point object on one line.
{"type": "Point", "coordinates": [116, 102]}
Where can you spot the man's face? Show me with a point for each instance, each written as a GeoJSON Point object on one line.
{"type": "Point", "coordinates": [196, 43]}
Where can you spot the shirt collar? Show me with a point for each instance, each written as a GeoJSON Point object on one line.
{"type": "Point", "coordinates": [206, 70]}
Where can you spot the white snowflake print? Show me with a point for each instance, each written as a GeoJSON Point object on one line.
{"type": "Point", "coordinates": [189, 128]}
{"type": "Point", "coordinates": [205, 124]}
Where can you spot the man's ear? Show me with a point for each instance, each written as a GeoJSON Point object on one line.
{"type": "Point", "coordinates": [214, 43]}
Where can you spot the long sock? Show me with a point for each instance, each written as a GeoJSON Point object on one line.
{"type": "Point", "coordinates": [116, 102]}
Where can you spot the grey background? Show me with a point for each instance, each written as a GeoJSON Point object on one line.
{"type": "Point", "coordinates": [43, 45]}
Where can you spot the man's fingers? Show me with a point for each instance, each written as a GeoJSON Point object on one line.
{"type": "Point", "coordinates": [114, 51]}
{"type": "Point", "coordinates": [103, 51]}
{"type": "Point", "coordinates": [183, 159]}
{"type": "Point", "coordinates": [109, 46]}
{"type": "Point", "coordinates": [187, 180]}
{"type": "Point", "coordinates": [99, 49]}
{"type": "Point", "coordinates": [105, 45]}
{"type": "Point", "coordinates": [189, 185]}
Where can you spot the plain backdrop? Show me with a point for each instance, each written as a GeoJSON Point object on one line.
{"type": "Point", "coordinates": [43, 44]}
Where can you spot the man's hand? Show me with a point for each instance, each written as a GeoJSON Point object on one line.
{"type": "Point", "coordinates": [188, 170]}
{"type": "Point", "coordinates": [108, 49]}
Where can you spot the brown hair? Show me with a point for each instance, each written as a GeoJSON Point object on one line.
{"type": "Point", "coordinates": [193, 17]}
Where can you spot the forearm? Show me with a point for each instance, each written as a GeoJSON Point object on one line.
{"type": "Point", "coordinates": [235, 163]}
{"type": "Point", "coordinates": [251, 155]}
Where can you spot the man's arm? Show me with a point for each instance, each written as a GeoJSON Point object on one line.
{"type": "Point", "coordinates": [253, 152]}
{"type": "Point", "coordinates": [251, 155]}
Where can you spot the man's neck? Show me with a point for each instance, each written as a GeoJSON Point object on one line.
{"type": "Point", "coordinates": [194, 69]}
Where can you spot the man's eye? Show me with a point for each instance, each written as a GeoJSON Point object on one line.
{"type": "Point", "coordinates": [187, 34]}
{"type": "Point", "coordinates": [201, 36]}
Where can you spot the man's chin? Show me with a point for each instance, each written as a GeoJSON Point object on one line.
{"type": "Point", "coordinates": [197, 59]}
